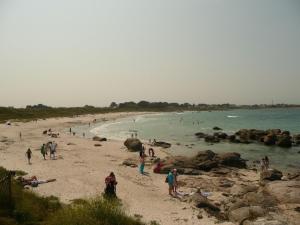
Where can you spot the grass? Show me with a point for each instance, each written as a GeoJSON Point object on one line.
{"type": "Point", "coordinates": [28, 208]}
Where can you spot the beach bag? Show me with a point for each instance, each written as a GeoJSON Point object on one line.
{"type": "Point", "coordinates": [167, 179]}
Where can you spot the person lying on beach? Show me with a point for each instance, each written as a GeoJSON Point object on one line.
{"type": "Point", "coordinates": [110, 185]}
{"type": "Point", "coordinates": [33, 181]}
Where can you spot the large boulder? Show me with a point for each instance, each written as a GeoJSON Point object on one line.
{"type": "Point", "coordinates": [133, 144]}
{"type": "Point", "coordinates": [211, 139]}
{"type": "Point", "coordinates": [232, 159]}
{"type": "Point", "coordinates": [284, 141]}
{"type": "Point", "coordinates": [271, 175]}
{"type": "Point", "coordinates": [220, 135]}
{"type": "Point", "coordinates": [285, 192]}
{"type": "Point", "coordinates": [243, 213]}
{"type": "Point", "coordinates": [270, 139]}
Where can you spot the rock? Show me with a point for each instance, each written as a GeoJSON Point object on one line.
{"type": "Point", "coordinates": [285, 192]}
{"type": "Point", "coordinates": [231, 138]}
{"type": "Point", "coordinates": [286, 133]}
{"type": "Point", "coordinates": [220, 135]}
{"type": "Point", "coordinates": [270, 139]}
{"type": "Point", "coordinates": [207, 165]}
{"type": "Point", "coordinates": [284, 141]}
{"type": "Point", "coordinates": [232, 159]}
{"type": "Point", "coordinates": [200, 135]}
{"type": "Point", "coordinates": [296, 139]}
{"type": "Point", "coordinates": [71, 143]}
{"type": "Point", "coordinates": [130, 162]}
{"type": "Point", "coordinates": [274, 131]}
{"type": "Point", "coordinates": [96, 138]}
{"type": "Point", "coordinates": [211, 139]}
{"type": "Point", "coordinates": [97, 145]}
{"type": "Point", "coordinates": [243, 213]}
{"type": "Point", "coordinates": [162, 144]}
{"type": "Point", "coordinates": [264, 221]}
{"type": "Point", "coordinates": [271, 175]}
{"type": "Point", "coordinates": [217, 128]}
{"type": "Point", "coordinates": [133, 144]}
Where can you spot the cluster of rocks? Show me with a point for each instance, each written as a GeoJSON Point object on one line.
{"type": "Point", "coordinates": [203, 161]}
{"type": "Point", "coordinates": [270, 137]}
{"type": "Point", "coordinates": [255, 202]}
{"type": "Point", "coordinates": [135, 145]}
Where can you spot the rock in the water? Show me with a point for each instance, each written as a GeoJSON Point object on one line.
{"type": "Point", "coordinates": [217, 128]}
{"type": "Point", "coordinates": [96, 138]}
{"type": "Point", "coordinates": [284, 141]}
{"type": "Point", "coordinates": [200, 135]}
{"type": "Point", "coordinates": [212, 139]}
{"type": "Point", "coordinates": [231, 159]}
{"type": "Point", "coordinates": [220, 135]}
{"type": "Point", "coordinates": [271, 175]}
{"type": "Point", "coordinates": [270, 139]}
{"type": "Point", "coordinates": [133, 144]}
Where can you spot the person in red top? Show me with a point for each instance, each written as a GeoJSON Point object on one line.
{"type": "Point", "coordinates": [111, 183]}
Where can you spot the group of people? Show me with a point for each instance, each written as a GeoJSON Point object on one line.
{"type": "Point", "coordinates": [264, 163]}
{"type": "Point", "coordinates": [143, 157]}
{"type": "Point", "coordinates": [50, 146]}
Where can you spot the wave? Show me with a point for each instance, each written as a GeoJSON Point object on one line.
{"type": "Point", "coordinates": [232, 116]}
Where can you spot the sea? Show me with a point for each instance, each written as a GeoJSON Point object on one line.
{"type": "Point", "coordinates": [179, 128]}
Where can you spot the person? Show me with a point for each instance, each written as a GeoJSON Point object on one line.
{"type": "Point", "coordinates": [110, 185]}
{"type": "Point", "coordinates": [267, 162]}
{"type": "Point", "coordinates": [262, 164]}
{"type": "Point", "coordinates": [142, 163]}
{"type": "Point", "coordinates": [170, 180]}
{"type": "Point", "coordinates": [151, 152]}
{"type": "Point", "coordinates": [83, 134]}
{"type": "Point", "coordinates": [175, 184]}
{"type": "Point", "coordinates": [89, 124]}
{"type": "Point", "coordinates": [20, 134]}
{"type": "Point", "coordinates": [29, 154]}
{"type": "Point", "coordinates": [44, 151]}
{"type": "Point", "coordinates": [70, 130]}
{"type": "Point", "coordinates": [53, 150]}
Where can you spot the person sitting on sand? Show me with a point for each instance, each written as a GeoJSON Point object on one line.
{"type": "Point", "coordinates": [170, 180]}
{"type": "Point", "coordinates": [158, 167]}
{"type": "Point", "coordinates": [28, 155]}
{"type": "Point", "coordinates": [111, 183]}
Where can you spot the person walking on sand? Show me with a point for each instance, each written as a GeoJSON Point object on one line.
{"type": "Point", "coordinates": [43, 151]}
{"type": "Point", "coordinates": [28, 155]}
{"type": "Point", "coordinates": [20, 135]}
{"type": "Point", "coordinates": [170, 181]}
{"type": "Point", "coordinates": [142, 163]}
{"type": "Point", "coordinates": [70, 130]}
{"type": "Point", "coordinates": [110, 185]}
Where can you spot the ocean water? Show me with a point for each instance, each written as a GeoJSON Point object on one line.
{"type": "Point", "coordinates": [179, 130]}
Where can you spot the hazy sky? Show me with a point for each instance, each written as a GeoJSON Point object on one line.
{"type": "Point", "coordinates": [72, 53]}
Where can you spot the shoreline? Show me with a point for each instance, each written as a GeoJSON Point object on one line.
{"type": "Point", "coordinates": [80, 170]}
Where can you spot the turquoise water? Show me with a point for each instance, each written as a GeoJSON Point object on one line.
{"type": "Point", "coordinates": [181, 127]}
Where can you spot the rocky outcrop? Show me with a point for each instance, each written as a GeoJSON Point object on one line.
{"type": "Point", "coordinates": [296, 139]}
{"type": "Point", "coordinates": [271, 175]}
{"type": "Point", "coordinates": [284, 140]}
{"type": "Point", "coordinates": [200, 135]}
{"type": "Point", "coordinates": [133, 144]}
{"type": "Point", "coordinates": [211, 139]}
{"type": "Point", "coordinates": [203, 161]}
{"type": "Point", "coordinates": [247, 212]}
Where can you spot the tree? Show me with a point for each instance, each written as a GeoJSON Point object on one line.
{"type": "Point", "coordinates": [113, 105]}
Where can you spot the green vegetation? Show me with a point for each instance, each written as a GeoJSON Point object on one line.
{"type": "Point", "coordinates": [27, 208]}
{"type": "Point", "coordinates": [42, 112]}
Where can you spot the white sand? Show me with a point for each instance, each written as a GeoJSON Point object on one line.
{"type": "Point", "coordinates": [80, 170]}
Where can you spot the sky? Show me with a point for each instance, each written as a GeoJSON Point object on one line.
{"type": "Point", "coordinates": [73, 53]}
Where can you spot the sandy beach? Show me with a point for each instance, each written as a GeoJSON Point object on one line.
{"type": "Point", "coordinates": [80, 169]}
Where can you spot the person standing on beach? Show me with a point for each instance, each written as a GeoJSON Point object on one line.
{"type": "Point", "coordinates": [170, 180]}
{"type": "Point", "coordinates": [267, 162]}
{"type": "Point", "coordinates": [20, 135]}
{"type": "Point", "coordinates": [142, 163]}
{"type": "Point", "coordinates": [43, 151]}
{"type": "Point", "coordinates": [70, 130]}
{"type": "Point", "coordinates": [111, 183]}
{"type": "Point", "coordinates": [28, 155]}
{"type": "Point", "coordinates": [175, 184]}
